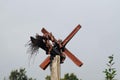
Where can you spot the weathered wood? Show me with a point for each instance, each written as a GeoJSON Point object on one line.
{"type": "Point", "coordinates": [55, 68]}
{"type": "Point", "coordinates": [73, 58]}
{"type": "Point", "coordinates": [66, 51]}
{"type": "Point", "coordinates": [45, 63]}
{"type": "Point", "coordinates": [69, 37]}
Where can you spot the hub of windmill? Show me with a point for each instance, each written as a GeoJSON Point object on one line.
{"type": "Point", "coordinates": [54, 48]}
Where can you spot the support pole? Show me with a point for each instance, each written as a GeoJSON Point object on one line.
{"type": "Point", "coordinates": [55, 68]}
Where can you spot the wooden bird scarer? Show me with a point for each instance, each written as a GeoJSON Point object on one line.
{"type": "Point", "coordinates": [53, 47]}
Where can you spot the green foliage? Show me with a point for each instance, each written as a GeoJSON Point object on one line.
{"type": "Point", "coordinates": [110, 72]}
{"type": "Point", "coordinates": [71, 76]}
{"type": "Point", "coordinates": [67, 76]}
{"type": "Point", "coordinates": [47, 78]}
{"type": "Point", "coordinates": [19, 75]}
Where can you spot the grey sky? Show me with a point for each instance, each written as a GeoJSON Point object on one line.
{"type": "Point", "coordinates": [98, 38]}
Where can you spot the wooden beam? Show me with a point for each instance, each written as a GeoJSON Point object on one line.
{"type": "Point", "coordinates": [73, 58]}
{"type": "Point", "coordinates": [69, 37]}
{"type": "Point", "coordinates": [55, 68]}
{"type": "Point", "coordinates": [45, 63]}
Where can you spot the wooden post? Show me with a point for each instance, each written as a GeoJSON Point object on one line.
{"type": "Point", "coordinates": [55, 68]}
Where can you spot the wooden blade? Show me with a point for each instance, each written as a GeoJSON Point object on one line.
{"type": "Point", "coordinates": [69, 37]}
{"type": "Point", "coordinates": [44, 31]}
{"type": "Point", "coordinates": [73, 58]}
{"type": "Point", "coordinates": [45, 63]}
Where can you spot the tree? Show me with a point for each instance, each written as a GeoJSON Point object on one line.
{"type": "Point", "coordinates": [110, 72]}
{"type": "Point", "coordinates": [71, 76]}
{"type": "Point", "coordinates": [19, 75]}
{"type": "Point", "coordinates": [67, 76]}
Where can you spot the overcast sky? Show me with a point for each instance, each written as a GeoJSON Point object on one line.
{"type": "Point", "coordinates": [98, 38]}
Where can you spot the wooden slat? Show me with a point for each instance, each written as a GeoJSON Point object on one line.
{"type": "Point", "coordinates": [73, 58]}
{"type": "Point", "coordinates": [44, 31]}
{"type": "Point", "coordinates": [69, 37]}
{"type": "Point", "coordinates": [45, 63]}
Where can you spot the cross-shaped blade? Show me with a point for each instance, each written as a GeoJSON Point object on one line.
{"type": "Point", "coordinates": [45, 63]}
{"type": "Point", "coordinates": [66, 51]}
{"type": "Point", "coordinates": [69, 37]}
{"type": "Point", "coordinates": [73, 58]}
